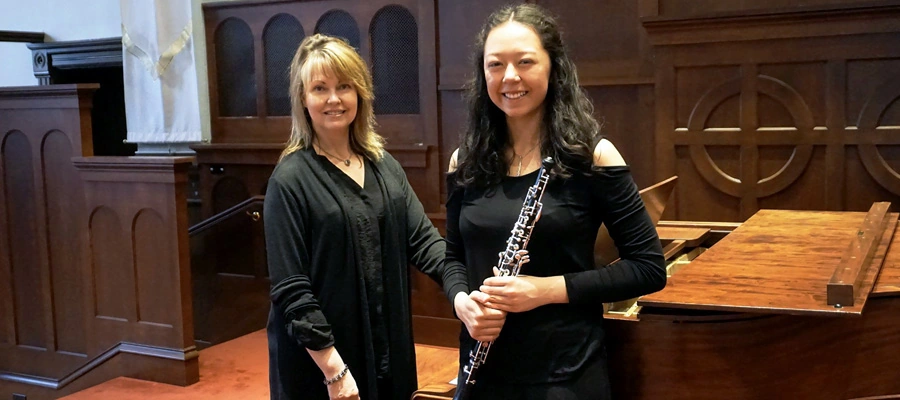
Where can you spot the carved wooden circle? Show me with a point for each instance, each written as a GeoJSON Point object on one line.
{"type": "Point", "coordinates": [788, 173]}
{"type": "Point", "coordinates": [869, 119]}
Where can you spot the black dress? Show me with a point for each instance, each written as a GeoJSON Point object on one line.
{"type": "Point", "coordinates": [320, 253]}
{"type": "Point", "coordinates": [554, 342]}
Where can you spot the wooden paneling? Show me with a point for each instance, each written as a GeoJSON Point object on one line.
{"type": "Point", "coordinates": [261, 128]}
{"type": "Point", "coordinates": [93, 263]}
{"type": "Point", "coordinates": [606, 40]}
{"type": "Point", "coordinates": [139, 255]}
{"type": "Point", "coordinates": [460, 22]}
{"type": "Point", "coordinates": [753, 105]}
{"type": "Point", "coordinates": [689, 8]}
{"type": "Point", "coordinates": [139, 263]}
{"type": "Point", "coordinates": [623, 111]}
{"type": "Point", "coordinates": [41, 226]}
{"type": "Point", "coordinates": [747, 356]}
{"type": "Point", "coordinates": [23, 257]}
{"type": "Point", "coordinates": [232, 173]}
{"type": "Point", "coordinates": [229, 274]}
{"type": "Point", "coordinates": [772, 118]}
{"type": "Point", "coordinates": [614, 60]}
{"type": "Point", "coordinates": [112, 275]}
{"type": "Point", "coordinates": [64, 193]}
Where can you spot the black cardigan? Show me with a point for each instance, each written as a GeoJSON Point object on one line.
{"type": "Point", "coordinates": [318, 293]}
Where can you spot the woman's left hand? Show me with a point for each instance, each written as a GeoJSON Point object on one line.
{"type": "Point", "coordinates": [523, 293]}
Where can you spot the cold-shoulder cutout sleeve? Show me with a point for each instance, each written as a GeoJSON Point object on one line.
{"type": "Point", "coordinates": [288, 259]}
{"type": "Point", "coordinates": [606, 154]}
{"type": "Point", "coordinates": [454, 162]}
{"type": "Point", "coordinates": [641, 268]}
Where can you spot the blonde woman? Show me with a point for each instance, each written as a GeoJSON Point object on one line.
{"type": "Point", "coordinates": [342, 225]}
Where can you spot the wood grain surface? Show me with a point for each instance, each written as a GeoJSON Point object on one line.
{"type": "Point", "coordinates": [777, 262]}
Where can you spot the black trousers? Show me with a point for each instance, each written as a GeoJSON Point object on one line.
{"type": "Point", "coordinates": [591, 383]}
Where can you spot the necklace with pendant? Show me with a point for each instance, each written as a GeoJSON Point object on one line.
{"type": "Point", "coordinates": [344, 161]}
{"type": "Point", "coordinates": [519, 169]}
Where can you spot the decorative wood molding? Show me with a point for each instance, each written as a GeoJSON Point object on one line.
{"type": "Point", "coordinates": [409, 156]}
{"type": "Point", "coordinates": [76, 54]}
{"type": "Point", "coordinates": [43, 97]}
{"type": "Point", "coordinates": [837, 20]}
{"type": "Point", "coordinates": [234, 153]}
{"type": "Point", "coordinates": [186, 354]}
{"type": "Point", "coordinates": [242, 3]}
{"type": "Point", "coordinates": [122, 169]}
{"type": "Point", "coordinates": [22, 37]}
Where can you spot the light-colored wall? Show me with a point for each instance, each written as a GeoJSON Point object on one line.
{"type": "Point", "coordinates": [60, 20]}
{"type": "Point", "coordinates": [64, 20]}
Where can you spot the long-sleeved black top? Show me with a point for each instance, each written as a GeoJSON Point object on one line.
{"type": "Point", "coordinates": [551, 343]}
{"type": "Point", "coordinates": [317, 268]}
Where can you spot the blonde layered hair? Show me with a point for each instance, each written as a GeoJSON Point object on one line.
{"type": "Point", "coordinates": [326, 55]}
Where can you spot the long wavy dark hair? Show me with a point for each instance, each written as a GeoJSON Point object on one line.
{"type": "Point", "coordinates": [570, 128]}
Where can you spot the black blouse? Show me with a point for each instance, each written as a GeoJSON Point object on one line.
{"type": "Point", "coordinates": [367, 213]}
{"type": "Point", "coordinates": [551, 343]}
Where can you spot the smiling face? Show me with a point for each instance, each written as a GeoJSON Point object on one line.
{"type": "Point", "coordinates": [331, 103]}
{"type": "Point", "coordinates": [516, 70]}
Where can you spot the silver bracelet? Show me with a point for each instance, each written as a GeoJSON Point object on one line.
{"type": "Point", "coordinates": [337, 377]}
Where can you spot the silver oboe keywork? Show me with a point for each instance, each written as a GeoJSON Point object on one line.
{"type": "Point", "coordinates": [511, 260]}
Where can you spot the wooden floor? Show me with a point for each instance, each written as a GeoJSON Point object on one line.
{"type": "Point", "coordinates": [238, 370]}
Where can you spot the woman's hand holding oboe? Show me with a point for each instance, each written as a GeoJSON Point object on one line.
{"type": "Point", "coordinates": [484, 323]}
{"type": "Point", "coordinates": [522, 293]}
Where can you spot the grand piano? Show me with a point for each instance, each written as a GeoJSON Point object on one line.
{"type": "Point", "coordinates": [787, 305]}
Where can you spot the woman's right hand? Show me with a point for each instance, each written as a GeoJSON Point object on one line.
{"type": "Point", "coordinates": [483, 323]}
{"type": "Point", "coordinates": [345, 388]}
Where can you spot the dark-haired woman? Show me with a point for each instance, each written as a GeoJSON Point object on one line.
{"type": "Point", "coordinates": [524, 104]}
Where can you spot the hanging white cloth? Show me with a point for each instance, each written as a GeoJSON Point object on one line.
{"type": "Point", "coordinates": [161, 103]}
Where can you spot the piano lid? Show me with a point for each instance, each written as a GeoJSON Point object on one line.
{"type": "Point", "coordinates": [777, 262]}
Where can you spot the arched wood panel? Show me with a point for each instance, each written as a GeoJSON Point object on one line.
{"type": "Point", "coordinates": [340, 23]}
{"type": "Point", "coordinates": [236, 78]}
{"type": "Point", "coordinates": [281, 38]}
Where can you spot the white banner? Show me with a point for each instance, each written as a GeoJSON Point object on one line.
{"type": "Point", "coordinates": [161, 103]}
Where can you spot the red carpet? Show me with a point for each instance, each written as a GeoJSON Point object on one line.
{"type": "Point", "coordinates": [238, 370]}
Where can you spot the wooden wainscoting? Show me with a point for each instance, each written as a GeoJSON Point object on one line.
{"type": "Point", "coordinates": [94, 271]}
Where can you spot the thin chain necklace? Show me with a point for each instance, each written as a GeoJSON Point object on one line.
{"type": "Point", "coordinates": [519, 169]}
{"type": "Point", "coordinates": [345, 161]}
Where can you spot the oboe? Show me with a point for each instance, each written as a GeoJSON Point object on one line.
{"type": "Point", "coordinates": [511, 260]}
